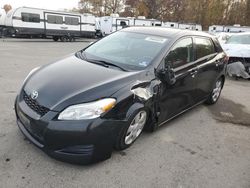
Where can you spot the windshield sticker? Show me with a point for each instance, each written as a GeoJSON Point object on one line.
{"type": "Point", "coordinates": [156, 39]}
{"type": "Point", "coordinates": [144, 63]}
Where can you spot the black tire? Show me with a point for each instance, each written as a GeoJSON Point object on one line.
{"type": "Point", "coordinates": [63, 38]}
{"type": "Point", "coordinates": [55, 38]}
{"type": "Point", "coordinates": [120, 142]}
{"type": "Point", "coordinates": [212, 99]}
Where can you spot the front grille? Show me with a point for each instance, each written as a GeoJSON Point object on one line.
{"type": "Point", "coordinates": [33, 104]}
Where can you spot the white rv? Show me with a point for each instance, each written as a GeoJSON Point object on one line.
{"type": "Point", "coordinates": [33, 22]}
{"type": "Point", "coordinates": [236, 29]}
{"type": "Point", "coordinates": [216, 28]}
{"type": "Point", "coordinates": [170, 24]}
{"type": "Point", "coordinates": [142, 21]}
{"type": "Point", "coordinates": [2, 21]}
{"type": "Point", "coordinates": [110, 24]}
{"type": "Point", "coordinates": [190, 26]}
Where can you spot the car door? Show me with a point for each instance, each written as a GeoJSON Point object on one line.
{"type": "Point", "coordinates": [208, 62]}
{"type": "Point", "coordinates": [175, 98]}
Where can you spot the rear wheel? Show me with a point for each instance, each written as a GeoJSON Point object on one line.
{"type": "Point", "coordinates": [63, 38]}
{"type": "Point", "coordinates": [131, 132]}
{"type": "Point", "coordinates": [215, 94]}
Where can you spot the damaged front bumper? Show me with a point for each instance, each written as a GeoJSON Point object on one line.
{"type": "Point", "coordinates": [79, 142]}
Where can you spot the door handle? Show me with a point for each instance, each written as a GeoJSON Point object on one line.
{"type": "Point", "coordinates": [217, 62]}
{"type": "Point", "coordinates": [193, 72]}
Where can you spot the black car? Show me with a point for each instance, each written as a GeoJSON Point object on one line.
{"type": "Point", "coordinates": [102, 97]}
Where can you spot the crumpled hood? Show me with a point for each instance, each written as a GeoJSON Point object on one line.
{"type": "Point", "coordinates": [73, 81]}
{"type": "Point", "coordinates": [237, 50]}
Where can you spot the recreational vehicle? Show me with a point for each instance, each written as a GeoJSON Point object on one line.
{"type": "Point", "coordinates": [190, 26]}
{"type": "Point", "coordinates": [112, 23]}
{"type": "Point", "coordinates": [228, 29]}
{"type": "Point", "coordinates": [33, 22]}
{"type": "Point", "coordinates": [2, 21]}
{"type": "Point", "coordinates": [142, 21]}
{"type": "Point", "coordinates": [170, 24]}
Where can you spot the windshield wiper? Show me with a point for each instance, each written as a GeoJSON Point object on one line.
{"type": "Point", "coordinates": [105, 63]}
{"type": "Point", "coordinates": [82, 55]}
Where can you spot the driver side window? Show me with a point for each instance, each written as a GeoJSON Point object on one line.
{"type": "Point", "coordinates": [181, 53]}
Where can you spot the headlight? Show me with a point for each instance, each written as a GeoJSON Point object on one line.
{"type": "Point", "coordinates": [30, 73]}
{"type": "Point", "coordinates": [87, 110]}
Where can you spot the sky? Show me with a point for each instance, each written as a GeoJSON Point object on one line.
{"type": "Point", "coordinates": [46, 4]}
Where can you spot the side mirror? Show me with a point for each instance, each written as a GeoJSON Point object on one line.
{"type": "Point", "coordinates": [167, 74]}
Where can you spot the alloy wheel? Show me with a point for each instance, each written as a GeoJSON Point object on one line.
{"type": "Point", "coordinates": [217, 90]}
{"type": "Point", "coordinates": [136, 127]}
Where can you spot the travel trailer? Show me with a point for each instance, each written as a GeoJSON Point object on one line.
{"type": "Point", "coordinates": [112, 23]}
{"type": "Point", "coordinates": [2, 21]}
{"type": "Point", "coordinates": [64, 26]}
{"type": "Point", "coordinates": [142, 21]}
{"type": "Point", "coordinates": [228, 29]}
{"type": "Point", "coordinates": [190, 26]}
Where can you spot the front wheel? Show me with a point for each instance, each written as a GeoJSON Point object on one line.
{"type": "Point", "coordinates": [131, 132]}
{"type": "Point", "coordinates": [215, 94]}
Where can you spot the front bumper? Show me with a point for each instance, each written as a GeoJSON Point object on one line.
{"type": "Point", "coordinates": [80, 142]}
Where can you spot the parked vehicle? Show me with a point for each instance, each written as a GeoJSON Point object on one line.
{"type": "Point", "coordinates": [112, 23]}
{"type": "Point", "coordinates": [228, 29]}
{"type": "Point", "coordinates": [189, 26]}
{"type": "Point", "coordinates": [80, 108]}
{"type": "Point", "coordinates": [237, 48]}
{"type": "Point", "coordinates": [33, 22]}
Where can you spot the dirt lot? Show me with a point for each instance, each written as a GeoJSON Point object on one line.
{"type": "Point", "coordinates": [206, 147]}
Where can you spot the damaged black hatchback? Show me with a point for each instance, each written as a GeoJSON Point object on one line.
{"type": "Point", "coordinates": [80, 108]}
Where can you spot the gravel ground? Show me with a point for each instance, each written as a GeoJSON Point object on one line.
{"type": "Point", "coordinates": [207, 147]}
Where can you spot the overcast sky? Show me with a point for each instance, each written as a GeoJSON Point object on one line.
{"type": "Point", "coordinates": [46, 4]}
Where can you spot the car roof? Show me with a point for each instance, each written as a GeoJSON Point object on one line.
{"type": "Point", "coordinates": [166, 32]}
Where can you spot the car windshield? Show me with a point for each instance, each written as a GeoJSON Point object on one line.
{"type": "Point", "coordinates": [239, 39]}
{"type": "Point", "coordinates": [132, 51]}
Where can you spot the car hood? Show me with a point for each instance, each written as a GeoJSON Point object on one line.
{"type": "Point", "coordinates": [73, 81]}
{"type": "Point", "coordinates": [237, 50]}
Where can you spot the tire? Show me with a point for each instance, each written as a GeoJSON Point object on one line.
{"type": "Point", "coordinates": [55, 39]}
{"type": "Point", "coordinates": [130, 133]}
{"type": "Point", "coordinates": [215, 93]}
{"type": "Point", "coordinates": [63, 39]}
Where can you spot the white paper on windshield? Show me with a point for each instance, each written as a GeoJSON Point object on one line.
{"type": "Point", "coordinates": [156, 39]}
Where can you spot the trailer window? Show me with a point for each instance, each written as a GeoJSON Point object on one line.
{"type": "Point", "coordinates": [71, 21]}
{"type": "Point", "coordinates": [28, 17]}
{"type": "Point", "coordinates": [55, 19]}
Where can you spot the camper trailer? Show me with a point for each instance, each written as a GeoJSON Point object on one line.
{"type": "Point", "coordinates": [33, 22]}
{"type": "Point", "coordinates": [216, 28]}
{"type": "Point", "coordinates": [112, 23]}
{"type": "Point", "coordinates": [190, 26]}
{"type": "Point", "coordinates": [2, 21]}
{"type": "Point", "coordinates": [142, 21]}
{"type": "Point", "coordinates": [236, 29]}
{"type": "Point", "coordinates": [170, 24]}
{"type": "Point", "coordinates": [228, 29]}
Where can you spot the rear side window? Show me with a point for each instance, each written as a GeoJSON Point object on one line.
{"type": "Point", "coordinates": [181, 53]}
{"type": "Point", "coordinates": [28, 17]}
{"type": "Point", "coordinates": [55, 19]}
{"type": "Point", "coordinates": [71, 21]}
{"type": "Point", "coordinates": [204, 47]}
